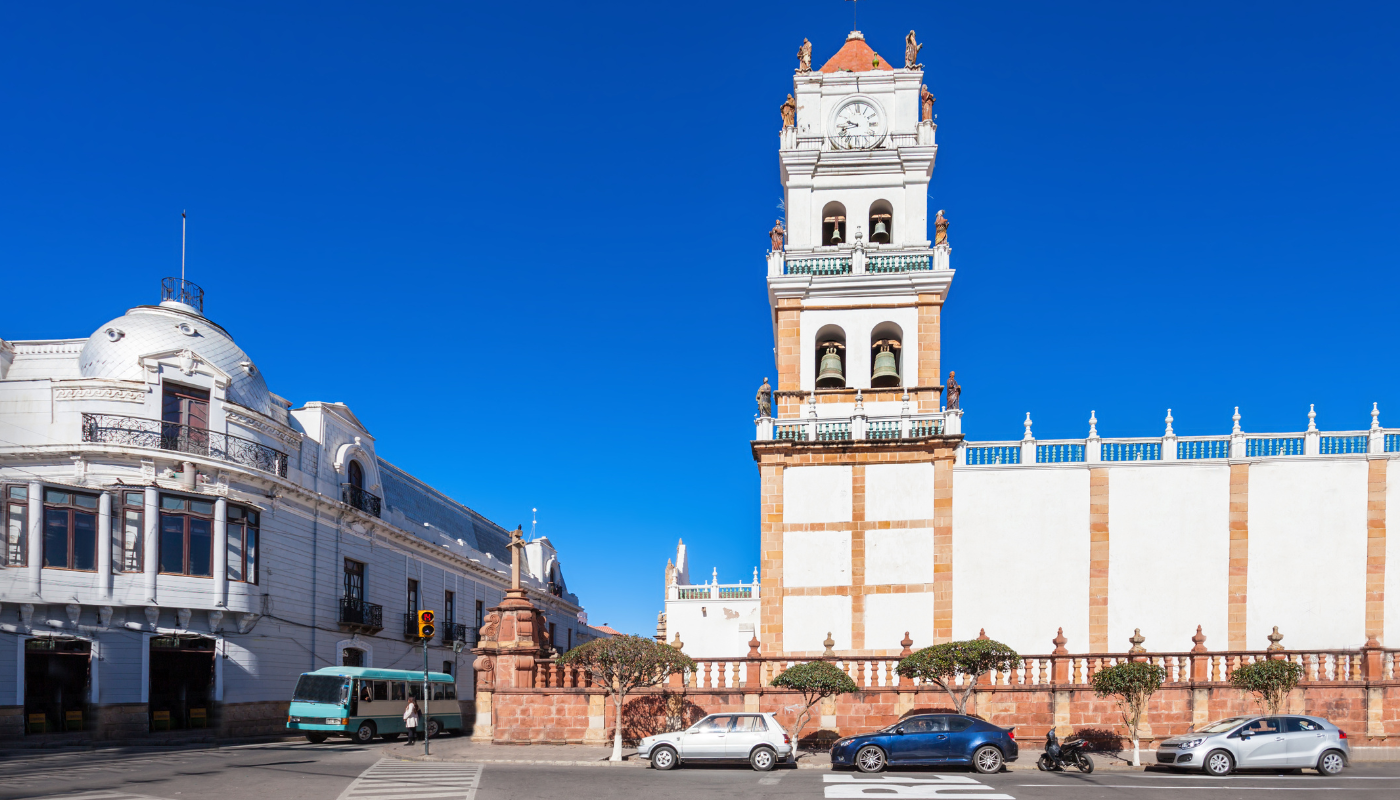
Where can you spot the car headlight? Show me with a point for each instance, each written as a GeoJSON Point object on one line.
{"type": "Point", "coordinates": [1190, 743]}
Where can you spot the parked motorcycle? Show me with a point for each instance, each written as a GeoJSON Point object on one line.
{"type": "Point", "coordinates": [1059, 757]}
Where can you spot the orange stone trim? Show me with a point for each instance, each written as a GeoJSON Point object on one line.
{"type": "Point", "coordinates": [771, 544]}
{"type": "Point", "coordinates": [1238, 608]}
{"type": "Point", "coordinates": [942, 550]}
{"type": "Point", "coordinates": [1375, 548]}
{"type": "Point", "coordinates": [1098, 560]}
{"type": "Point", "coordinates": [858, 557]}
{"type": "Point", "coordinates": [929, 341]}
{"type": "Point", "coordinates": [859, 591]}
{"type": "Point", "coordinates": [787, 323]}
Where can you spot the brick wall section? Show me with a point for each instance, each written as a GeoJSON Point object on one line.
{"type": "Point", "coordinates": [942, 550]}
{"type": "Point", "coordinates": [1375, 548]}
{"type": "Point", "coordinates": [770, 624]}
{"type": "Point", "coordinates": [930, 344]}
{"type": "Point", "coordinates": [1098, 560]}
{"type": "Point", "coordinates": [789, 353]}
{"type": "Point", "coordinates": [858, 558]}
{"type": "Point", "coordinates": [1238, 596]}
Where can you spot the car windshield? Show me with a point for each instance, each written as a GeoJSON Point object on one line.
{"type": "Point", "coordinates": [331, 689]}
{"type": "Point", "coordinates": [1220, 726]}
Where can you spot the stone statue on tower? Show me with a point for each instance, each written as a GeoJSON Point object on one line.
{"type": "Point", "coordinates": [789, 112]}
{"type": "Point", "coordinates": [940, 228]}
{"type": "Point", "coordinates": [775, 236]}
{"type": "Point", "coordinates": [804, 58]}
{"type": "Point", "coordinates": [765, 399]}
{"type": "Point", "coordinates": [911, 52]}
{"type": "Point", "coordinates": [926, 97]}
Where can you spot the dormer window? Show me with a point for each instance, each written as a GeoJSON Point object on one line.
{"type": "Point", "coordinates": [356, 475]}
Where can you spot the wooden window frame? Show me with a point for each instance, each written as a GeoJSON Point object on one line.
{"type": "Point", "coordinates": [185, 515]}
{"type": "Point", "coordinates": [133, 559]}
{"type": "Point", "coordinates": [349, 573]}
{"type": "Point", "coordinates": [415, 596]}
{"type": "Point", "coordinates": [248, 522]}
{"type": "Point", "coordinates": [22, 545]}
{"type": "Point", "coordinates": [449, 607]}
{"type": "Point", "coordinates": [72, 509]}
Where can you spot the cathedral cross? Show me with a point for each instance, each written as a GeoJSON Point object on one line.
{"type": "Point", "coordinates": [516, 545]}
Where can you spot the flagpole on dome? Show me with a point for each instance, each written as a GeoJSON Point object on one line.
{"type": "Point", "coordinates": [182, 246]}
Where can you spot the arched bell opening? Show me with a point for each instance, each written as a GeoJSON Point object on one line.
{"type": "Point", "coordinates": [886, 356]}
{"type": "Point", "coordinates": [831, 358]}
{"type": "Point", "coordinates": [881, 222]}
{"type": "Point", "coordinates": [834, 224]}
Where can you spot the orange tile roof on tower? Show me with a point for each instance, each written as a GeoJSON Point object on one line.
{"type": "Point", "coordinates": [855, 56]}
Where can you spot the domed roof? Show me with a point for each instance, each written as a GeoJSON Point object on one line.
{"type": "Point", "coordinates": [115, 349]}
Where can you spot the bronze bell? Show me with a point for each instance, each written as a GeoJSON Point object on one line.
{"type": "Point", "coordinates": [836, 233]}
{"type": "Point", "coordinates": [830, 374]}
{"type": "Point", "coordinates": [886, 368]}
{"type": "Point", "coordinates": [880, 233]}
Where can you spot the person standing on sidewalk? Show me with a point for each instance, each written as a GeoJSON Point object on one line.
{"type": "Point", "coordinates": [410, 719]}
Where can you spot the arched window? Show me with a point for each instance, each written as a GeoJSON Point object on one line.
{"type": "Point", "coordinates": [886, 350]}
{"type": "Point", "coordinates": [831, 357]}
{"type": "Point", "coordinates": [356, 474]}
{"type": "Point", "coordinates": [881, 222]}
{"type": "Point", "coordinates": [834, 224]}
{"type": "Point", "coordinates": [352, 657]}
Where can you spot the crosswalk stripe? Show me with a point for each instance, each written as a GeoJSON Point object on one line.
{"type": "Point", "coordinates": [391, 779]}
{"type": "Point", "coordinates": [933, 787]}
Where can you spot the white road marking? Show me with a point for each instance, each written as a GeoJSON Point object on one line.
{"type": "Point", "coordinates": [772, 779]}
{"type": "Point", "coordinates": [938, 787]}
{"type": "Point", "coordinates": [1226, 787]}
{"type": "Point", "coordinates": [391, 779]}
{"type": "Point", "coordinates": [103, 795]}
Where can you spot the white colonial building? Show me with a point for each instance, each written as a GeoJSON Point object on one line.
{"type": "Point", "coordinates": [180, 543]}
{"type": "Point", "coordinates": [714, 619]}
{"type": "Point", "coordinates": [878, 518]}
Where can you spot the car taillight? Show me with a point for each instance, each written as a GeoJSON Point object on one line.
{"type": "Point", "coordinates": [1011, 732]}
{"type": "Point", "coordinates": [788, 739]}
{"type": "Point", "coordinates": [1341, 734]}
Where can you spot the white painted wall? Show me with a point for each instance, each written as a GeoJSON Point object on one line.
{"type": "Point", "coordinates": [1021, 555]}
{"type": "Point", "coordinates": [1169, 553]}
{"type": "Point", "coordinates": [858, 324]}
{"type": "Point", "coordinates": [806, 621]}
{"type": "Point", "coordinates": [899, 555]}
{"type": "Point", "coordinates": [1307, 553]}
{"type": "Point", "coordinates": [817, 558]}
{"type": "Point", "coordinates": [898, 491]}
{"type": "Point", "coordinates": [888, 616]}
{"type": "Point", "coordinates": [713, 628]}
{"type": "Point", "coordinates": [817, 494]}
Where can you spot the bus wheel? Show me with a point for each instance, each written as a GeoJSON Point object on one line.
{"type": "Point", "coordinates": [316, 738]}
{"type": "Point", "coordinates": [365, 733]}
{"type": "Point", "coordinates": [434, 728]}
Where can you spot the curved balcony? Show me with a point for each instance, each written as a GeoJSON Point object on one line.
{"type": "Point", "coordinates": [158, 435]}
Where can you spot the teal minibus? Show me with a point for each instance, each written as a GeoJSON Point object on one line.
{"type": "Point", "coordinates": [362, 703]}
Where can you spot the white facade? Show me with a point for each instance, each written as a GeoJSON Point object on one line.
{"type": "Point", "coordinates": [711, 619]}
{"type": "Point", "coordinates": [102, 437]}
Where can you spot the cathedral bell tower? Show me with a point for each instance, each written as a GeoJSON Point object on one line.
{"type": "Point", "coordinates": [855, 435]}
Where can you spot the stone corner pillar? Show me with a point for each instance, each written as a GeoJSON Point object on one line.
{"type": "Point", "coordinates": [512, 641]}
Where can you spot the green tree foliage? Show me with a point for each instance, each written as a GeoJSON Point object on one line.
{"type": "Point", "coordinates": [941, 665]}
{"type": "Point", "coordinates": [1131, 684]}
{"type": "Point", "coordinates": [622, 664]}
{"type": "Point", "coordinates": [816, 680]}
{"type": "Point", "coordinates": [1270, 681]}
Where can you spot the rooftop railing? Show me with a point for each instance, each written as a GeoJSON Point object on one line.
{"type": "Point", "coordinates": [158, 435]}
{"type": "Point", "coordinates": [713, 591]}
{"type": "Point", "coordinates": [857, 427]}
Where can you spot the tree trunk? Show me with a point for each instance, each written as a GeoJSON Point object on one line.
{"type": "Point", "coordinates": [1137, 760]}
{"type": "Point", "coordinates": [618, 698]}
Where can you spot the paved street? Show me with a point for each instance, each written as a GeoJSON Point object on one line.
{"type": "Point", "coordinates": [298, 771]}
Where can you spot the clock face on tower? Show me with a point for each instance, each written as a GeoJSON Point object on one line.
{"type": "Point", "coordinates": [857, 125]}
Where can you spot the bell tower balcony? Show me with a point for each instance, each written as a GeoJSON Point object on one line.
{"type": "Point", "coordinates": [858, 259]}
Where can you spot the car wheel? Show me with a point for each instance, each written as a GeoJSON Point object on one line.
{"type": "Point", "coordinates": [1219, 763]}
{"type": "Point", "coordinates": [987, 760]}
{"type": "Point", "coordinates": [1331, 763]}
{"type": "Point", "coordinates": [434, 728]}
{"type": "Point", "coordinates": [365, 733]}
{"type": "Point", "coordinates": [763, 759]}
{"type": "Point", "coordinates": [1085, 763]}
{"type": "Point", "coordinates": [316, 738]}
{"type": "Point", "coordinates": [663, 758]}
{"type": "Point", "coordinates": [870, 759]}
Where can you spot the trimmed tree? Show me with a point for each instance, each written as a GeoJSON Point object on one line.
{"type": "Point", "coordinates": [1131, 684]}
{"type": "Point", "coordinates": [816, 680]}
{"type": "Point", "coordinates": [1270, 681]}
{"type": "Point", "coordinates": [941, 665]}
{"type": "Point", "coordinates": [624, 663]}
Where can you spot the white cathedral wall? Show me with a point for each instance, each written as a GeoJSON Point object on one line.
{"type": "Point", "coordinates": [713, 628]}
{"type": "Point", "coordinates": [806, 621]}
{"type": "Point", "coordinates": [816, 494]}
{"type": "Point", "coordinates": [898, 491]}
{"type": "Point", "coordinates": [857, 325]}
{"type": "Point", "coordinates": [1021, 556]}
{"type": "Point", "coordinates": [1307, 553]}
{"type": "Point", "coordinates": [899, 555]}
{"type": "Point", "coordinates": [1169, 553]}
{"type": "Point", "coordinates": [817, 558]}
{"type": "Point", "coordinates": [888, 616]}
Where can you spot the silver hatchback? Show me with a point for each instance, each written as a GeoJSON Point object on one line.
{"type": "Point", "coordinates": [755, 738]}
{"type": "Point", "coordinates": [1259, 742]}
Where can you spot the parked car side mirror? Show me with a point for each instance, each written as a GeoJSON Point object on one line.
{"type": "Point", "coordinates": [899, 731]}
{"type": "Point", "coordinates": [1246, 735]}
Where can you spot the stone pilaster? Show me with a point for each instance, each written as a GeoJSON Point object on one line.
{"type": "Point", "coordinates": [1238, 612]}
{"type": "Point", "coordinates": [1098, 560]}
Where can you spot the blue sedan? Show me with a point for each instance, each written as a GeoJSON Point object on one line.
{"type": "Point", "coordinates": [929, 739]}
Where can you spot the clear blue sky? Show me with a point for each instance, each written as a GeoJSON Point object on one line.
{"type": "Point", "coordinates": [524, 242]}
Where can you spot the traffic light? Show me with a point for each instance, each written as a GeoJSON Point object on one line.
{"type": "Point", "coordinates": [425, 625]}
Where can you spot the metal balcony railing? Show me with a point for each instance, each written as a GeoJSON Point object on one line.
{"type": "Point", "coordinates": [410, 625]}
{"type": "Point", "coordinates": [356, 497]}
{"type": "Point", "coordinates": [453, 632]}
{"type": "Point", "coordinates": [155, 434]}
{"type": "Point", "coordinates": [357, 613]}
{"type": "Point", "coordinates": [182, 291]}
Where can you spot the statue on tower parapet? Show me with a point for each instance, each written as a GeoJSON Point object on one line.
{"type": "Point", "coordinates": [911, 52]}
{"type": "Point", "coordinates": [954, 392]}
{"type": "Point", "coordinates": [940, 229]}
{"type": "Point", "coordinates": [789, 112]}
{"type": "Point", "coordinates": [776, 235]}
{"type": "Point", "coordinates": [927, 98]}
{"type": "Point", "coordinates": [765, 399]}
{"type": "Point", "coordinates": [804, 58]}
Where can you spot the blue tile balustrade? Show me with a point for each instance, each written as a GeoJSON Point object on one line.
{"type": "Point", "coordinates": [925, 427]}
{"type": "Point", "coordinates": [996, 454]}
{"type": "Point", "coordinates": [1058, 453]}
{"type": "Point", "coordinates": [1277, 446]}
{"type": "Point", "coordinates": [833, 431]}
{"type": "Point", "coordinates": [818, 266]}
{"type": "Point", "coordinates": [696, 593]}
{"type": "Point", "coordinates": [898, 263]}
{"type": "Point", "coordinates": [1132, 451]}
{"type": "Point", "coordinates": [1203, 448]}
{"type": "Point", "coordinates": [1392, 442]}
{"type": "Point", "coordinates": [1336, 445]}
{"type": "Point", "coordinates": [797, 432]}
{"type": "Point", "coordinates": [882, 429]}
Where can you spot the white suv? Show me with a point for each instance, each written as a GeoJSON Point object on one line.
{"type": "Point", "coordinates": [755, 738]}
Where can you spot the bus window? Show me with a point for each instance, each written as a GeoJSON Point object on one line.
{"type": "Point", "coordinates": [381, 690]}
{"type": "Point", "coordinates": [366, 693]}
{"type": "Point", "coordinates": [331, 689]}
{"type": "Point", "coordinates": [397, 687]}
{"type": "Point", "coordinates": [415, 690]}
{"type": "Point", "coordinates": [451, 691]}
{"type": "Point", "coordinates": [439, 693]}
